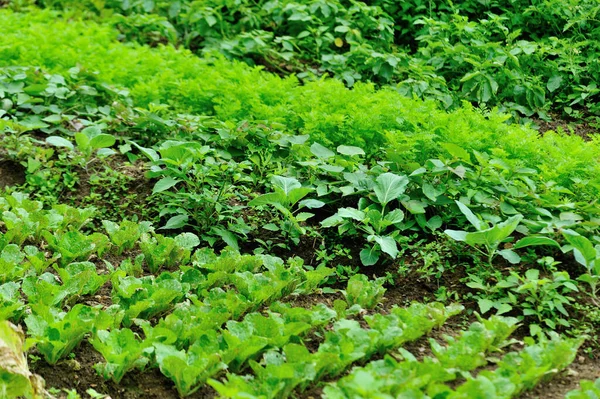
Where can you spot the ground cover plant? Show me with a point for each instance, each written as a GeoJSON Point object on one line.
{"type": "Point", "coordinates": [177, 221]}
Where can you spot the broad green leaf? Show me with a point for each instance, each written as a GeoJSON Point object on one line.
{"type": "Point", "coordinates": [554, 83]}
{"type": "Point", "coordinates": [387, 245]}
{"type": "Point", "coordinates": [457, 235]}
{"type": "Point", "coordinates": [268, 199]}
{"type": "Point", "coordinates": [164, 184]}
{"type": "Point", "coordinates": [535, 240]}
{"type": "Point", "coordinates": [351, 213]}
{"type": "Point", "coordinates": [102, 141]}
{"type": "Point", "coordinates": [286, 184]}
{"type": "Point", "coordinates": [510, 256]}
{"type": "Point", "coordinates": [187, 240]}
{"type": "Point", "coordinates": [456, 151]}
{"type": "Point", "coordinates": [304, 216]}
{"type": "Point", "coordinates": [474, 220]}
{"type": "Point", "coordinates": [227, 236]}
{"type": "Point", "coordinates": [59, 142]}
{"type": "Point", "coordinates": [176, 222]}
{"type": "Point", "coordinates": [320, 151]}
{"type": "Point", "coordinates": [485, 305]}
{"type": "Point", "coordinates": [369, 257]}
{"type": "Point", "coordinates": [297, 194]}
{"type": "Point", "coordinates": [395, 216]}
{"type": "Point", "coordinates": [389, 187]}
{"type": "Point", "coordinates": [311, 203]}
{"type": "Point", "coordinates": [148, 152]}
{"type": "Point", "coordinates": [585, 252]}
{"type": "Point", "coordinates": [350, 150]}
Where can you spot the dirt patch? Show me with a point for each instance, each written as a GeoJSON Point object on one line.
{"type": "Point", "coordinates": [11, 174]}
{"type": "Point", "coordinates": [78, 373]}
{"type": "Point", "coordinates": [577, 127]}
{"type": "Point", "coordinates": [583, 368]}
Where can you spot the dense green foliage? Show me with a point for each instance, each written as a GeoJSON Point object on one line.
{"type": "Point", "coordinates": [247, 234]}
{"type": "Point", "coordinates": [524, 56]}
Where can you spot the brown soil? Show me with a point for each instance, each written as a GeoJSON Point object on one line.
{"type": "Point", "coordinates": [11, 174]}
{"type": "Point", "coordinates": [577, 127]}
{"type": "Point", "coordinates": [583, 368]}
{"type": "Point", "coordinates": [78, 373]}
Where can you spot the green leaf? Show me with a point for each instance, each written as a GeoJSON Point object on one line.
{"type": "Point", "coordinates": [321, 152]}
{"type": "Point", "coordinates": [102, 141]}
{"type": "Point", "coordinates": [395, 216]}
{"type": "Point", "coordinates": [554, 83]}
{"type": "Point", "coordinates": [164, 184]}
{"type": "Point", "coordinates": [510, 256]}
{"type": "Point", "coordinates": [228, 237]}
{"type": "Point", "coordinates": [457, 235]}
{"type": "Point", "coordinates": [456, 151]}
{"type": "Point", "coordinates": [387, 245]}
{"type": "Point", "coordinates": [297, 194]}
{"type": "Point", "coordinates": [311, 203]}
{"type": "Point", "coordinates": [474, 220]}
{"type": "Point", "coordinates": [535, 240]}
{"type": "Point", "coordinates": [303, 216]}
{"type": "Point", "coordinates": [268, 199]}
{"type": "Point", "coordinates": [176, 222]}
{"type": "Point", "coordinates": [389, 187]}
{"type": "Point", "coordinates": [369, 257]}
{"type": "Point", "coordinates": [59, 142]}
{"type": "Point", "coordinates": [352, 213]}
{"type": "Point", "coordinates": [350, 150]}
{"type": "Point", "coordinates": [485, 305]}
{"type": "Point", "coordinates": [585, 253]}
{"type": "Point", "coordinates": [286, 184]}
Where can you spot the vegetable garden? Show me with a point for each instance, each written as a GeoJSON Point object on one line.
{"type": "Point", "coordinates": [287, 199]}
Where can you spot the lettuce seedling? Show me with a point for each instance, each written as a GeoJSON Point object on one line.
{"type": "Point", "coordinates": [122, 350]}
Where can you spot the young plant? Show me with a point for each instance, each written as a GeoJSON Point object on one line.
{"type": "Point", "coordinates": [122, 351]}
{"type": "Point", "coordinates": [375, 218]}
{"type": "Point", "coordinates": [364, 292]}
{"type": "Point", "coordinates": [588, 255]}
{"type": "Point", "coordinates": [486, 239]}
{"type": "Point", "coordinates": [288, 193]}
{"type": "Point", "coordinates": [55, 333]}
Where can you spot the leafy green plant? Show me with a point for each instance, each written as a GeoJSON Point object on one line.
{"type": "Point", "coordinates": [588, 255]}
{"type": "Point", "coordinates": [189, 369]}
{"type": "Point", "coordinates": [75, 245]}
{"type": "Point", "coordinates": [288, 193]}
{"type": "Point", "coordinates": [126, 234]}
{"type": "Point", "coordinates": [55, 333]}
{"type": "Point", "coordinates": [542, 299]}
{"type": "Point", "coordinates": [378, 223]}
{"type": "Point", "coordinates": [489, 238]}
{"type": "Point", "coordinates": [15, 378]}
{"type": "Point", "coordinates": [364, 292]}
{"type": "Point", "coordinates": [122, 351]}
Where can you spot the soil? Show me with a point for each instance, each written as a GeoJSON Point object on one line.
{"type": "Point", "coordinates": [11, 174]}
{"type": "Point", "coordinates": [78, 373]}
{"type": "Point", "coordinates": [579, 127]}
{"type": "Point", "coordinates": [583, 368]}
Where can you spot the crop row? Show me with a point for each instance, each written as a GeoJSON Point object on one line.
{"type": "Point", "coordinates": [485, 53]}
{"type": "Point", "coordinates": [410, 131]}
